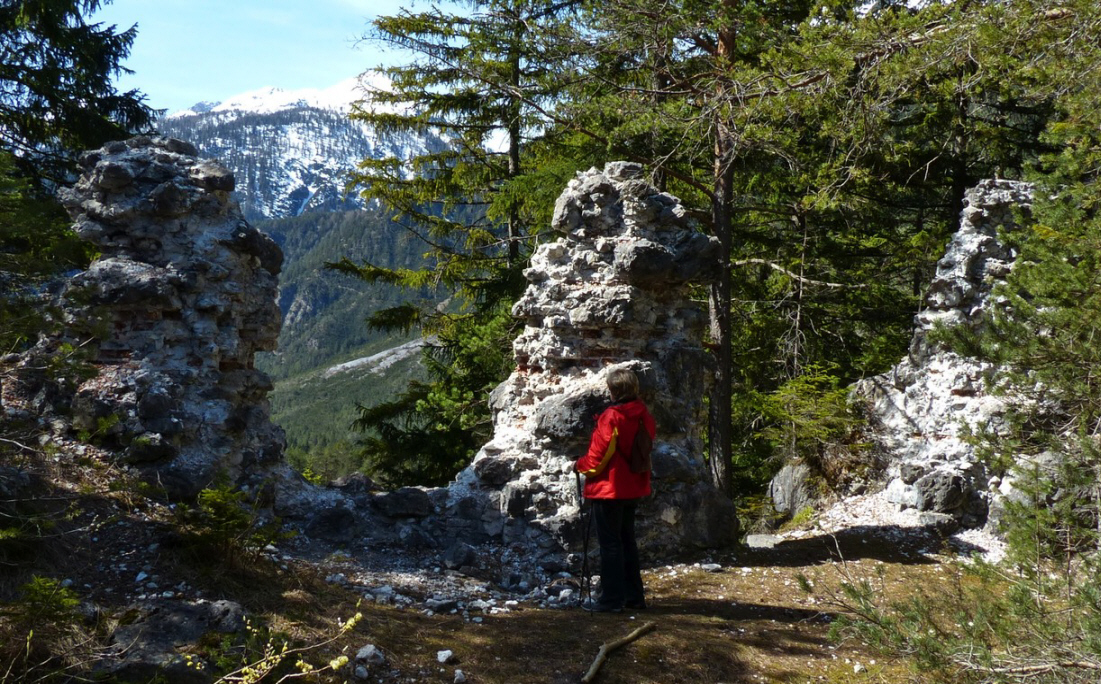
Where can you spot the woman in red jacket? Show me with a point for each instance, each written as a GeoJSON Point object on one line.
{"type": "Point", "coordinates": [615, 491]}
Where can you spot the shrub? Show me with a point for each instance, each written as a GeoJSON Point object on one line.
{"type": "Point", "coordinates": [225, 524]}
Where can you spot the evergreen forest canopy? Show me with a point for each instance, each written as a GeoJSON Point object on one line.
{"type": "Point", "coordinates": [828, 146]}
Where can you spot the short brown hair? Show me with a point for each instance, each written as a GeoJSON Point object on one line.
{"type": "Point", "coordinates": [623, 384]}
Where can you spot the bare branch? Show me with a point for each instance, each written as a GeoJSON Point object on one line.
{"type": "Point", "coordinates": [24, 447]}
{"type": "Point", "coordinates": [797, 277]}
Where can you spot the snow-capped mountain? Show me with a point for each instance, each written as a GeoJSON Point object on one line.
{"type": "Point", "coordinates": [268, 100]}
{"type": "Point", "coordinates": [291, 150]}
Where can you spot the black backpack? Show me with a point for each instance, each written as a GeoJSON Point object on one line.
{"type": "Point", "coordinates": [639, 458]}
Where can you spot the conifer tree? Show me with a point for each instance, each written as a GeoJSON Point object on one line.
{"type": "Point", "coordinates": [657, 86]}
{"type": "Point", "coordinates": [476, 80]}
{"type": "Point", "coordinates": [56, 100]}
{"type": "Point", "coordinates": [56, 89]}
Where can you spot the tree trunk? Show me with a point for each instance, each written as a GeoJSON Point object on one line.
{"type": "Point", "coordinates": [719, 420]}
{"type": "Point", "coordinates": [720, 429]}
{"type": "Point", "coordinates": [659, 82]}
{"type": "Point", "coordinates": [515, 113]}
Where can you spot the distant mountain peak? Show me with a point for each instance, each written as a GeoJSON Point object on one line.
{"type": "Point", "coordinates": [198, 108]}
{"type": "Point", "coordinates": [292, 150]}
{"type": "Point", "coordinates": [269, 99]}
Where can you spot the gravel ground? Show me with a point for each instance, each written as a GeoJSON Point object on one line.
{"type": "Point", "coordinates": [423, 582]}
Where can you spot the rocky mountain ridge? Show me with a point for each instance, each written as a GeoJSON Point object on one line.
{"type": "Point", "coordinates": [338, 97]}
{"type": "Point", "coordinates": [290, 151]}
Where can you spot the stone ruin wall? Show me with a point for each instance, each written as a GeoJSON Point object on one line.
{"type": "Point", "coordinates": [183, 294]}
{"type": "Point", "coordinates": [921, 409]}
{"type": "Point", "coordinates": [170, 316]}
{"type": "Point", "coordinates": [612, 291]}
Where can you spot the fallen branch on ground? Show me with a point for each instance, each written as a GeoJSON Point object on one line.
{"type": "Point", "coordinates": [607, 648]}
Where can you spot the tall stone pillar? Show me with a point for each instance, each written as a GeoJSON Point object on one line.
{"type": "Point", "coordinates": [171, 315]}
{"type": "Point", "coordinates": [614, 290]}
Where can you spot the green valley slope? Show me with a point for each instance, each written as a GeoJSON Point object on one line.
{"type": "Point", "coordinates": [324, 316]}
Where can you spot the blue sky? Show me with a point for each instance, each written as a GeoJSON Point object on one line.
{"type": "Point", "coordinates": [189, 51]}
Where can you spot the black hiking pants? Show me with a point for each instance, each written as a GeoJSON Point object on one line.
{"type": "Point", "coordinates": [620, 573]}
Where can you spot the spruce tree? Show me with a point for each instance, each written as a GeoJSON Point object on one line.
{"type": "Point", "coordinates": [56, 89]}
{"type": "Point", "coordinates": [478, 80]}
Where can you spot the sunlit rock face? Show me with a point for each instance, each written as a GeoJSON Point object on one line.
{"type": "Point", "coordinates": [171, 314]}
{"type": "Point", "coordinates": [921, 409]}
{"type": "Point", "coordinates": [612, 291]}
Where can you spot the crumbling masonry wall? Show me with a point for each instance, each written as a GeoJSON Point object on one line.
{"type": "Point", "coordinates": [920, 411]}
{"type": "Point", "coordinates": [170, 316]}
{"type": "Point", "coordinates": [183, 294]}
{"type": "Point", "coordinates": [612, 291]}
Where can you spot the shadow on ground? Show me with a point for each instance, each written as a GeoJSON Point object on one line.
{"type": "Point", "coordinates": [886, 543]}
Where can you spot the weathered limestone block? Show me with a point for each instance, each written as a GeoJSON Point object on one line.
{"type": "Point", "coordinates": [920, 409]}
{"type": "Point", "coordinates": [611, 292]}
{"type": "Point", "coordinates": [790, 489]}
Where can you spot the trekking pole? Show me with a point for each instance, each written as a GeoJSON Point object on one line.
{"type": "Point", "coordinates": [586, 577]}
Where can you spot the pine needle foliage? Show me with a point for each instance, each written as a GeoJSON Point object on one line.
{"type": "Point", "coordinates": [56, 90]}
{"type": "Point", "coordinates": [56, 100]}
{"type": "Point", "coordinates": [431, 430]}
{"type": "Point", "coordinates": [35, 243]}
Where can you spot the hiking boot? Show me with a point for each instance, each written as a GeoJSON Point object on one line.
{"type": "Point", "coordinates": [594, 606]}
{"type": "Point", "coordinates": [635, 605]}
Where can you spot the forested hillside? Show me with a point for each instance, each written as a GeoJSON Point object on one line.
{"type": "Point", "coordinates": [325, 317]}
{"type": "Point", "coordinates": [325, 312]}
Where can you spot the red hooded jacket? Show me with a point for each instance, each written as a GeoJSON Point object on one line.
{"type": "Point", "coordinates": [607, 473]}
